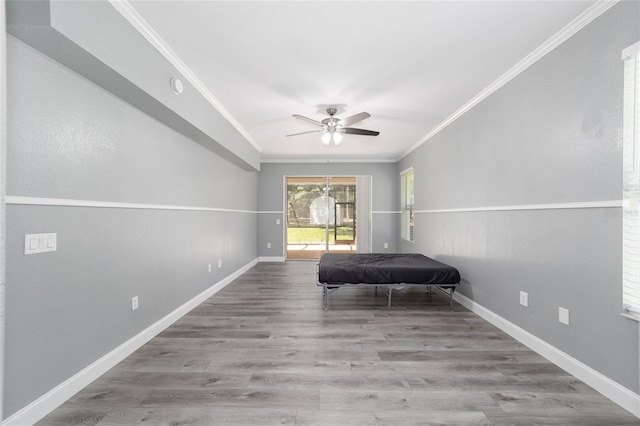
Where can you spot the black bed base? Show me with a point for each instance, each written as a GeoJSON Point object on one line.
{"type": "Point", "coordinates": [387, 270]}
{"type": "Point", "coordinates": [328, 288]}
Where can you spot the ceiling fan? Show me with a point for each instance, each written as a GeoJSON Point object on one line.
{"type": "Point", "coordinates": [333, 127]}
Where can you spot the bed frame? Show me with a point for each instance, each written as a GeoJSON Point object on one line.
{"type": "Point", "coordinates": [389, 271]}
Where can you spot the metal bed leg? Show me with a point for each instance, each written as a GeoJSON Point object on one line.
{"type": "Point", "coordinates": [389, 302]}
{"type": "Point", "coordinates": [326, 296]}
{"type": "Point", "coordinates": [376, 290]}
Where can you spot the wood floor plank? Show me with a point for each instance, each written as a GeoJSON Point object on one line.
{"type": "Point", "coordinates": [176, 380]}
{"type": "Point", "coordinates": [198, 416]}
{"type": "Point", "coordinates": [263, 351]}
{"type": "Point", "coordinates": [391, 418]}
{"type": "Point", "coordinates": [239, 398]}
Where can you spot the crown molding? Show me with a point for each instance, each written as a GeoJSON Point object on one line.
{"type": "Point", "coordinates": [560, 37]}
{"type": "Point", "coordinates": [326, 160]}
{"type": "Point", "coordinates": [143, 27]}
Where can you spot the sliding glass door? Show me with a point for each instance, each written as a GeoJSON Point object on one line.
{"type": "Point", "coordinates": [321, 215]}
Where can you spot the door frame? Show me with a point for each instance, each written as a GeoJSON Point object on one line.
{"type": "Point", "coordinates": [361, 234]}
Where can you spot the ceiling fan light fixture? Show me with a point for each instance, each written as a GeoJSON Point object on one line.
{"type": "Point", "coordinates": [326, 138]}
{"type": "Point", "coordinates": [337, 138]}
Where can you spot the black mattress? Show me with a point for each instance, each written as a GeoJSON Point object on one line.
{"type": "Point", "coordinates": [384, 268]}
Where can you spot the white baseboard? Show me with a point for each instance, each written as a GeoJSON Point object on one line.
{"type": "Point", "coordinates": [271, 259]}
{"type": "Point", "coordinates": [65, 390]}
{"type": "Point", "coordinates": [617, 393]}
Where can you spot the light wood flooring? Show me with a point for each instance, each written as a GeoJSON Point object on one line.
{"type": "Point", "coordinates": [263, 351]}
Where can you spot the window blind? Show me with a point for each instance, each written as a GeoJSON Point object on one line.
{"type": "Point", "coordinates": [631, 183]}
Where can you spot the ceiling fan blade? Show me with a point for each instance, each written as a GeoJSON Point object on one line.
{"type": "Point", "coordinates": [304, 133]}
{"type": "Point", "coordinates": [310, 120]}
{"type": "Point", "coordinates": [354, 118]}
{"type": "Point", "coordinates": [353, 131]}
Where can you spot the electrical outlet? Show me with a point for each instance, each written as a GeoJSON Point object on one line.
{"type": "Point", "coordinates": [219, 263]}
{"type": "Point", "coordinates": [563, 316]}
{"type": "Point", "coordinates": [386, 245]}
{"type": "Point", "coordinates": [277, 221]}
{"type": "Point", "coordinates": [209, 268]}
{"type": "Point", "coordinates": [134, 303]}
{"type": "Point", "coordinates": [524, 299]}
{"type": "Point", "coordinates": [268, 245]}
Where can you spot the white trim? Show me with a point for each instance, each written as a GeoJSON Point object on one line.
{"type": "Point", "coordinates": [37, 201]}
{"type": "Point", "coordinates": [270, 212]}
{"type": "Point", "coordinates": [617, 393]}
{"type": "Point", "coordinates": [551, 206]}
{"type": "Point", "coordinates": [406, 170]}
{"type": "Point", "coordinates": [65, 390]}
{"type": "Point", "coordinates": [271, 259]}
{"type": "Point", "coordinates": [139, 23]}
{"type": "Point", "coordinates": [634, 49]}
{"type": "Point", "coordinates": [386, 212]}
{"type": "Point", "coordinates": [561, 36]}
{"type": "Point", "coordinates": [293, 160]}
{"type": "Point", "coordinates": [3, 192]}
{"type": "Point", "coordinates": [631, 315]}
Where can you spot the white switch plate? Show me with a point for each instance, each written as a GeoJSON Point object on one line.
{"type": "Point", "coordinates": [524, 299]}
{"type": "Point", "coordinates": [563, 316]}
{"type": "Point", "coordinates": [40, 243]}
{"type": "Point", "coordinates": [277, 221]}
{"type": "Point", "coordinates": [219, 263]}
{"type": "Point", "coordinates": [134, 303]}
{"type": "Point", "coordinates": [386, 245]}
{"type": "Point", "coordinates": [268, 245]}
{"type": "Point", "coordinates": [209, 267]}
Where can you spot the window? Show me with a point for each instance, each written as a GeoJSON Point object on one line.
{"type": "Point", "coordinates": [406, 204]}
{"type": "Point", "coordinates": [631, 183]}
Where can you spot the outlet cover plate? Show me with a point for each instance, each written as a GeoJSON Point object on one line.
{"type": "Point", "coordinates": [563, 316]}
{"type": "Point", "coordinates": [40, 243]}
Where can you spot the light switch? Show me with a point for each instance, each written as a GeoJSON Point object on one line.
{"type": "Point", "coordinates": [39, 243]}
{"type": "Point", "coordinates": [277, 221]}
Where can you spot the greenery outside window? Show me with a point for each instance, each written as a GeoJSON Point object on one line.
{"type": "Point", "coordinates": [406, 204]}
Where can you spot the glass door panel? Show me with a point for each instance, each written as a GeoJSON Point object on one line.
{"type": "Point", "coordinates": [320, 215]}
{"type": "Point", "coordinates": [306, 217]}
{"type": "Point", "coordinates": [342, 190]}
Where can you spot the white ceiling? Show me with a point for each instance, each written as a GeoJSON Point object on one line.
{"type": "Point", "coordinates": [411, 65]}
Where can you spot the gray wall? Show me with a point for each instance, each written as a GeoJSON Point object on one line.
{"type": "Point", "coordinates": [271, 200]}
{"type": "Point", "coordinates": [552, 135]}
{"type": "Point", "coordinates": [70, 139]}
{"type": "Point", "coordinates": [95, 40]}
